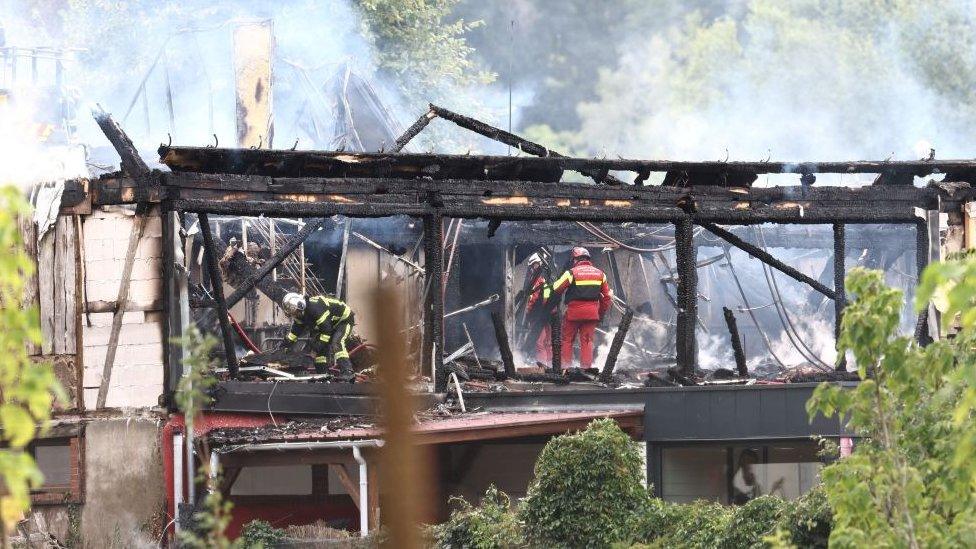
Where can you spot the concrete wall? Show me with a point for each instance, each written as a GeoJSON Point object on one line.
{"type": "Point", "coordinates": [125, 493]}
{"type": "Point", "coordinates": [137, 374]}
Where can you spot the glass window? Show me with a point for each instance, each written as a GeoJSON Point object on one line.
{"type": "Point", "coordinates": [737, 474]}
{"type": "Point", "coordinates": [692, 473]}
{"type": "Point", "coordinates": [274, 480]}
{"type": "Point", "coordinates": [54, 461]}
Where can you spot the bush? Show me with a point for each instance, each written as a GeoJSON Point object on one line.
{"type": "Point", "coordinates": [259, 533]}
{"type": "Point", "coordinates": [809, 520]}
{"type": "Point", "coordinates": [701, 524]}
{"type": "Point", "coordinates": [587, 489]}
{"type": "Point", "coordinates": [492, 525]}
{"type": "Point", "coordinates": [749, 523]}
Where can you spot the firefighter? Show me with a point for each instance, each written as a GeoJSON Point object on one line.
{"type": "Point", "coordinates": [538, 309]}
{"type": "Point", "coordinates": [328, 322]}
{"type": "Point", "coordinates": [587, 297]}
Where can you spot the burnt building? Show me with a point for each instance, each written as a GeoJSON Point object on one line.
{"type": "Point", "coordinates": [708, 372]}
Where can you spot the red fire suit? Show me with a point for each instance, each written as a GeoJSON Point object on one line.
{"type": "Point", "coordinates": [588, 299]}
{"type": "Point", "coordinates": [538, 298]}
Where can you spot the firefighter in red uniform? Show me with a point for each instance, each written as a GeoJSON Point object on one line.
{"type": "Point", "coordinates": [538, 309]}
{"type": "Point", "coordinates": [587, 297]}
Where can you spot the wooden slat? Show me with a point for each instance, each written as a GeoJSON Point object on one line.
{"type": "Point", "coordinates": [29, 233]}
{"type": "Point", "coordinates": [65, 285]}
{"type": "Point", "coordinates": [46, 275]}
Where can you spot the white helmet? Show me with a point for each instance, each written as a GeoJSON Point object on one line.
{"type": "Point", "coordinates": [534, 260]}
{"type": "Point", "coordinates": [293, 304]}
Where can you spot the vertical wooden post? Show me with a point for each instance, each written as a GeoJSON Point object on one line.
{"type": "Point", "coordinates": [840, 297]}
{"type": "Point", "coordinates": [687, 290]}
{"type": "Point", "coordinates": [433, 345]}
{"type": "Point", "coordinates": [210, 256]}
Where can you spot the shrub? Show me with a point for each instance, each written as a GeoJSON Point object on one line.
{"type": "Point", "coordinates": [809, 520]}
{"type": "Point", "coordinates": [586, 490]}
{"type": "Point", "coordinates": [492, 525]}
{"type": "Point", "coordinates": [750, 522]}
{"type": "Point", "coordinates": [701, 524]}
{"type": "Point", "coordinates": [259, 533]}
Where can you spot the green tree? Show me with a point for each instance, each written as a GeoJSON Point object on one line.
{"type": "Point", "coordinates": [29, 388]}
{"type": "Point", "coordinates": [792, 77]}
{"type": "Point", "coordinates": [909, 482]}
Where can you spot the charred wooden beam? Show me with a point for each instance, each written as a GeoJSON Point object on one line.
{"type": "Point", "coordinates": [599, 175]}
{"type": "Point", "coordinates": [618, 342]}
{"type": "Point", "coordinates": [556, 337]}
{"type": "Point", "coordinates": [413, 130]}
{"type": "Point", "coordinates": [374, 197]}
{"type": "Point", "coordinates": [380, 164]}
{"type": "Point", "coordinates": [504, 348]}
{"type": "Point", "coordinates": [433, 340]}
{"type": "Point", "coordinates": [840, 274]}
{"type": "Point", "coordinates": [132, 163]}
{"type": "Point", "coordinates": [737, 351]}
{"type": "Point", "coordinates": [686, 351]}
{"type": "Point", "coordinates": [217, 282]}
{"type": "Point", "coordinates": [768, 259]}
{"type": "Point", "coordinates": [329, 164]}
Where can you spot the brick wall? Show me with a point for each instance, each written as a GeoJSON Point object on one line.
{"type": "Point", "coordinates": [137, 374]}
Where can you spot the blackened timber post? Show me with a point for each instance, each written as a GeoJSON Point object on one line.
{"type": "Point", "coordinates": [218, 292]}
{"type": "Point", "coordinates": [433, 343]}
{"type": "Point", "coordinates": [556, 338]}
{"type": "Point", "coordinates": [922, 251]}
{"type": "Point", "coordinates": [504, 348]}
{"type": "Point", "coordinates": [737, 351]}
{"type": "Point", "coordinates": [687, 290]}
{"type": "Point", "coordinates": [606, 376]}
{"type": "Point", "coordinates": [840, 295]}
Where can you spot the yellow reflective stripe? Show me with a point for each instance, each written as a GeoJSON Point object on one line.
{"type": "Point", "coordinates": [317, 299]}
{"type": "Point", "coordinates": [323, 318]}
{"type": "Point", "coordinates": [321, 359]}
{"type": "Point", "coordinates": [342, 354]}
{"type": "Point", "coordinates": [546, 292]}
{"type": "Point", "coordinates": [325, 338]}
{"type": "Point", "coordinates": [345, 314]}
{"type": "Point", "coordinates": [566, 278]}
{"type": "Point", "coordinates": [292, 337]}
{"type": "Point", "coordinates": [589, 282]}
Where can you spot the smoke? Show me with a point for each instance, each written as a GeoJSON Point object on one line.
{"type": "Point", "coordinates": [25, 158]}
{"type": "Point", "coordinates": [791, 81]}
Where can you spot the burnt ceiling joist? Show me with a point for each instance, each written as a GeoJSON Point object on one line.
{"type": "Point", "coordinates": [474, 198]}
{"type": "Point", "coordinates": [338, 164]}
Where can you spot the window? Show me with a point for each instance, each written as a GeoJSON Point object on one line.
{"type": "Point", "coordinates": [274, 480]}
{"type": "Point", "coordinates": [738, 473]}
{"type": "Point", "coordinates": [60, 461]}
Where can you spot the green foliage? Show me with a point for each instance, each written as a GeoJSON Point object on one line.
{"type": "Point", "coordinates": [415, 42]}
{"type": "Point", "coordinates": [701, 524]}
{"type": "Point", "coordinates": [909, 482]}
{"type": "Point", "coordinates": [259, 533]}
{"type": "Point", "coordinates": [213, 516]}
{"type": "Point", "coordinates": [586, 488]}
{"type": "Point", "coordinates": [192, 391]}
{"type": "Point", "coordinates": [29, 389]}
{"type": "Point", "coordinates": [807, 521]}
{"type": "Point", "coordinates": [491, 525]}
{"type": "Point", "coordinates": [749, 523]}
